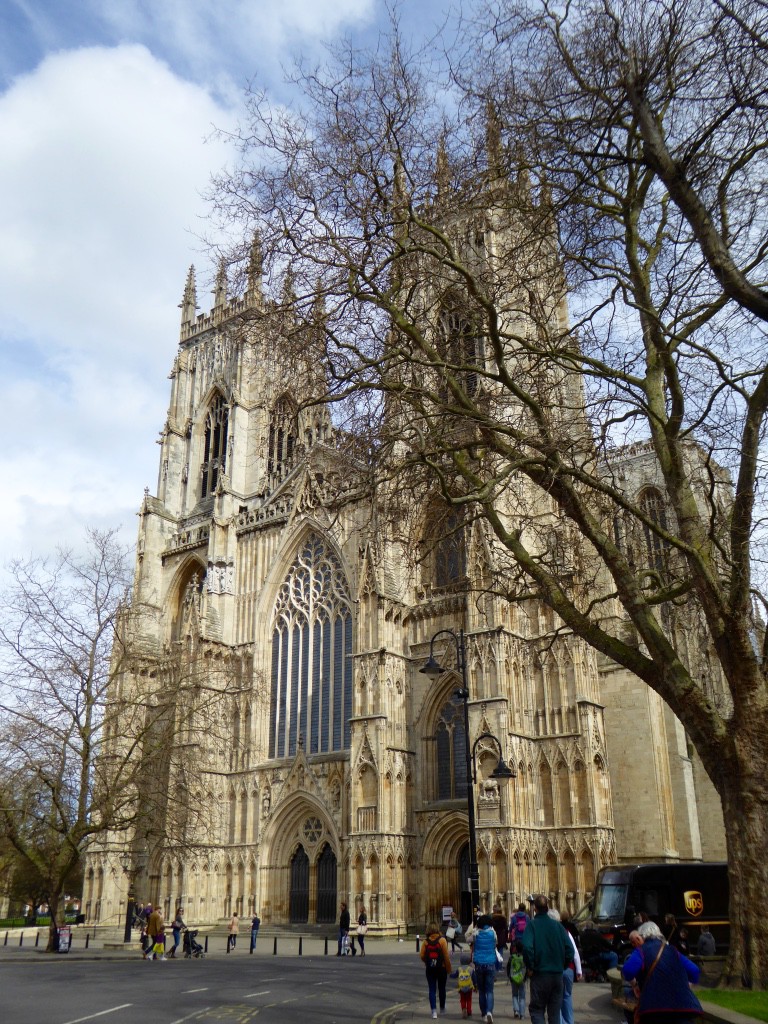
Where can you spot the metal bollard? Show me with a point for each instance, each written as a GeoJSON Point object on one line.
{"type": "Point", "coordinates": [326, 945]}
{"type": "Point", "coordinates": [418, 943]}
{"type": "Point", "coordinates": [87, 939]}
{"type": "Point", "coordinates": [301, 939]}
{"type": "Point", "coordinates": [21, 938]}
{"type": "Point", "coordinates": [37, 939]}
{"type": "Point", "coordinates": [274, 948]}
{"type": "Point", "coordinates": [206, 943]}
{"type": "Point", "coordinates": [6, 939]}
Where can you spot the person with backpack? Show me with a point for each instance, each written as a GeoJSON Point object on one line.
{"type": "Point", "coordinates": [516, 974]}
{"type": "Point", "coordinates": [517, 924]}
{"type": "Point", "coordinates": [466, 982]}
{"type": "Point", "coordinates": [437, 964]}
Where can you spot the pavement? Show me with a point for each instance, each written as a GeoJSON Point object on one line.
{"type": "Point", "coordinates": [591, 1001]}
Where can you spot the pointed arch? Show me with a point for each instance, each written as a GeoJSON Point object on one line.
{"type": "Point", "coordinates": [215, 436]}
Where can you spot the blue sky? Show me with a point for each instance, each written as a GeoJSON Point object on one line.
{"type": "Point", "coordinates": [107, 112]}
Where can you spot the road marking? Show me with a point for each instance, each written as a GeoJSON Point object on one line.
{"type": "Point", "coordinates": [188, 990]}
{"type": "Point", "coordinates": [250, 995]}
{"type": "Point", "coordinates": [114, 1009]}
{"type": "Point", "coordinates": [197, 1013]}
{"type": "Point", "coordinates": [384, 1016]}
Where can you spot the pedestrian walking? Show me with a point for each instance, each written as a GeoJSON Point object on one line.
{"type": "Point", "coordinates": [486, 964]}
{"type": "Point", "coordinates": [255, 925]}
{"type": "Point", "coordinates": [547, 951]}
{"type": "Point", "coordinates": [233, 928]}
{"type": "Point", "coordinates": [516, 974]}
{"type": "Point", "coordinates": [437, 966]}
{"type": "Point", "coordinates": [176, 928]}
{"type": "Point", "coordinates": [466, 982]}
{"type": "Point", "coordinates": [571, 973]}
{"type": "Point", "coordinates": [155, 935]}
{"type": "Point", "coordinates": [343, 926]}
{"type": "Point", "coordinates": [362, 929]}
{"type": "Point", "coordinates": [453, 933]}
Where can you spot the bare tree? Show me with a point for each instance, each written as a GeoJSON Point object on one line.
{"type": "Point", "coordinates": [444, 213]}
{"type": "Point", "coordinates": [91, 727]}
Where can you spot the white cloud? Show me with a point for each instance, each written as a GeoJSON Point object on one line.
{"type": "Point", "coordinates": [104, 162]}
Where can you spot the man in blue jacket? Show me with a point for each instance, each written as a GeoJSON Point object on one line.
{"type": "Point", "coordinates": [546, 952]}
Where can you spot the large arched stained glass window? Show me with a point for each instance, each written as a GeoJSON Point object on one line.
{"type": "Point", "coordinates": [311, 693]}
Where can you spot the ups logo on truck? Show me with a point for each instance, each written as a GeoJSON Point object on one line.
{"type": "Point", "coordinates": [694, 902]}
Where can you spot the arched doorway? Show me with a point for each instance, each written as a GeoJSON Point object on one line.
{"type": "Point", "coordinates": [299, 897]}
{"type": "Point", "coordinates": [326, 886]}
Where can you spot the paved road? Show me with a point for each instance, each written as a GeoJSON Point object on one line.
{"type": "Point", "coordinates": [110, 986]}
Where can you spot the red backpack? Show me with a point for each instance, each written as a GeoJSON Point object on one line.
{"type": "Point", "coordinates": [433, 955]}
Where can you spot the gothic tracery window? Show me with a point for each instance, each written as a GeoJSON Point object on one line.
{"type": "Point", "coordinates": [451, 753]}
{"type": "Point", "coordinates": [651, 503]}
{"type": "Point", "coordinates": [282, 438]}
{"type": "Point", "coordinates": [215, 450]}
{"type": "Point", "coordinates": [445, 546]}
{"type": "Point", "coordinates": [311, 696]}
{"type": "Point", "coordinates": [462, 347]}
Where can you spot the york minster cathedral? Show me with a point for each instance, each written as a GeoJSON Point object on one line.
{"type": "Point", "coordinates": [330, 768]}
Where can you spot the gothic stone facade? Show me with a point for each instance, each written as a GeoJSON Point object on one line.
{"type": "Point", "coordinates": [333, 770]}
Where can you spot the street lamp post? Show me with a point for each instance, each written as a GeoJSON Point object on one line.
{"type": "Point", "coordinates": [433, 669]}
{"type": "Point", "coordinates": [131, 865]}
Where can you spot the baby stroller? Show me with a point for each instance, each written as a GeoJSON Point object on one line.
{"type": "Point", "coordinates": [192, 948]}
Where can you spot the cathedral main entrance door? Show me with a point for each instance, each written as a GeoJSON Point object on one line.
{"type": "Point", "coordinates": [299, 897]}
{"type": "Point", "coordinates": [326, 886]}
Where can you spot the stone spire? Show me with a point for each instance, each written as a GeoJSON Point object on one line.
{"type": "Point", "coordinates": [188, 304]}
{"type": "Point", "coordinates": [220, 288]}
{"type": "Point", "coordinates": [493, 145]}
{"type": "Point", "coordinates": [256, 268]}
{"type": "Point", "coordinates": [442, 170]}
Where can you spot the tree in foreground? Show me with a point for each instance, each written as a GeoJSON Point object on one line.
{"type": "Point", "coordinates": [83, 759]}
{"type": "Point", "coordinates": [436, 216]}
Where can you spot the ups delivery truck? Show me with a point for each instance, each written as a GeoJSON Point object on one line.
{"type": "Point", "coordinates": [696, 892]}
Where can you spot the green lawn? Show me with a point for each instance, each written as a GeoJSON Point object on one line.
{"type": "Point", "coordinates": [753, 1004]}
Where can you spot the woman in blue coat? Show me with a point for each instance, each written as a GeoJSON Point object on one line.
{"type": "Point", "coordinates": [664, 977]}
{"type": "Point", "coordinates": [484, 959]}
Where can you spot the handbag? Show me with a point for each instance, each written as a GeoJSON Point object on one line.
{"type": "Point", "coordinates": [362, 929]}
{"type": "Point", "coordinates": [450, 933]}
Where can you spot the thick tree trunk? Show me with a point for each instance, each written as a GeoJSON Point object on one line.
{"type": "Point", "coordinates": [53, 904]}
{"type": "Point", "coordinates": [745, 810]}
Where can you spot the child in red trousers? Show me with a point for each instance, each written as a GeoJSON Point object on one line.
{"type": "Point", "coordinates": [465, 982]}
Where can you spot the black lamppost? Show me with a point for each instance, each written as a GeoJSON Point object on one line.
{"type": "Point", "coordinates": [433, 669]}
{"type": "Point", "coordinates": [132, 864]}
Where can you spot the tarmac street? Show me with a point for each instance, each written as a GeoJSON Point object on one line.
{"type": "Point", "coordinates": [115, 986]}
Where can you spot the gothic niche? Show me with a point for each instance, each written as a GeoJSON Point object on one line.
{"type": "Point", "coordinates": [189, 599]}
